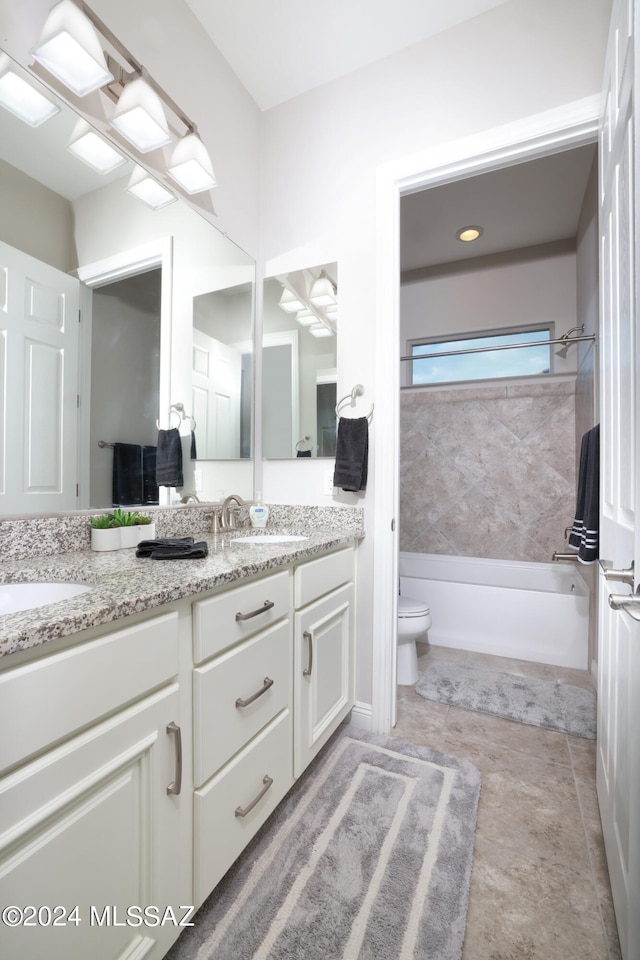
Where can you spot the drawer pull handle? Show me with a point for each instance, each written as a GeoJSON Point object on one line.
{"type": "Point", "coordinates": [176, 785]}
{"type": "Point", "coordinates": [308, 636]}
{"type": "Point", "coordinates": [268, 682]}
{"type": "Point", "coordinates": [267, 605]}
{"type": "Point", "coordinates": [243, 811]}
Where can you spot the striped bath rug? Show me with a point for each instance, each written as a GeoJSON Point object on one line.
{"type": "Point", "coordinates": [542, 703]}
{"type": "Point", "coordinates": [367, 858]}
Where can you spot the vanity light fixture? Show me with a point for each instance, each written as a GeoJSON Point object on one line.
{"type": "Point", "coordinates": [191, 166]}
{"type": "Point", "coordinates": [290, 301]}
{"type": "Point", "coordinates": [320, 330]}
{"type": "Point", "coordinates": [70, 49]}
{"type": "Point", "coordinates": [470, 233]}
{"type": "Point", "coordinates": [143, 186]}
{"type": "Point", "coordinates": [140, 118]}
{"type": "Point", "coordinates": [89, 147]}
{"type": "Point", "coordinates": [23, 101]}
{"type": "Point", "coordinates": [305, 318]}
{"type": "Point", "coordinates": [323, 291]}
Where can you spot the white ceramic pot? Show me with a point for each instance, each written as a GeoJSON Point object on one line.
{"type": "Point", "coordinates": [106, 539]}
{"type": "Point", "coordinates": [146, 531]}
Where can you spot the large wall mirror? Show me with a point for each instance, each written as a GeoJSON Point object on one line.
{"type": "Point", "coordinates": [166, 338]}
{"type": "Point", "coordinates": [299, 358]}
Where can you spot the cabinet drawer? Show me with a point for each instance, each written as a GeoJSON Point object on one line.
{"type": "Point", "coordinates": [261, 665]}
{"type": "Point", "coordinates": [317, 577]}
{"type": "Point", "coordinates": [49, 698]}
{"type": "Point", "coordinates": [261, 602]}
{"type": "Point", "coordinates": [221, 835]}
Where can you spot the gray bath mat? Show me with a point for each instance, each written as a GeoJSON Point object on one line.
{"type": "Point", "coordinates": [543, 703]}
{"type": "Point", "coordinates": [367, 858]}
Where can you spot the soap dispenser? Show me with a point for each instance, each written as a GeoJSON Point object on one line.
{"type": "Point", "coordinates": [258, 513]}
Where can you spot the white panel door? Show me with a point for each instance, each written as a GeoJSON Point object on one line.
{"type": "Point", "coordinates": [39, 332]}
{"type": "Point", "coordinates": [216, 386]}
{"type": "Point", "coordinates": [618, 762]}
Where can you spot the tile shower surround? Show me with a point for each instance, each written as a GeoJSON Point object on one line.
{"type": "Point", "coordinates": [488, 471]}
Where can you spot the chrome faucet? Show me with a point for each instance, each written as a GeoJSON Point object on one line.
{"type": "Point", "coordinates": [228, 514]}
{"type": "Point", "coordinates": [190, 496]}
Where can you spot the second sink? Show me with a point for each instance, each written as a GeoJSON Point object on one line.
{"type": "Point", "coordinates": [269, 538]}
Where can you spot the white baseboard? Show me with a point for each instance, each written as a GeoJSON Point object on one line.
{"type": "Point", "coordinates": [361, 716]}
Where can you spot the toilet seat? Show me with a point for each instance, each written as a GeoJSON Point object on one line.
{"type": "Point", "coordinates": [408, 607]}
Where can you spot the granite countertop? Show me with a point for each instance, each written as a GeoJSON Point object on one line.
{"type": "Point", "coordinates": [125, 584]}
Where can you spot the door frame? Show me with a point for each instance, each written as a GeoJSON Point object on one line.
{"type": "Point", "coordinates": [572, 125]}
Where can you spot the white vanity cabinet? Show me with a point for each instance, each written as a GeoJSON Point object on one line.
{"type": "Point", "coordinates": [242, 697]}
{"type": "Point", "coordinates": [91, 807]}
{"type": "Point", "coordinates": [324, 651]}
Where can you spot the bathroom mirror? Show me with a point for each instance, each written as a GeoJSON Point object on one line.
{"type": "Point", "coordinates": [146, 281]}
{"type": "Point", "coordinates": [299, 360]}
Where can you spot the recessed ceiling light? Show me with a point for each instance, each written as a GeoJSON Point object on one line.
{"type": "Point", "coordinates": [467, 234]}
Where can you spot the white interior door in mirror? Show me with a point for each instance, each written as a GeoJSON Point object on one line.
{"type": "Point", "coordinates": [39, 333]}
{"type": "Point", "coordinates": [216, 390]}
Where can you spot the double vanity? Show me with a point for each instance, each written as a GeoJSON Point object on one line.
{"type": "Point", "coordinates": [154, 721]}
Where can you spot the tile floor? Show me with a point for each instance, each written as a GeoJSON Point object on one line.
{"type": "Point", "coordinates": [539, 887]}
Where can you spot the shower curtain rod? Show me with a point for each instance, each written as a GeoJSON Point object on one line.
{"type": "Point", "coordinates": [503, 346]}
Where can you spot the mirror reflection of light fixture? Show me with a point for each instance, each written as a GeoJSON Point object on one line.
{"type": "Point", "coordinates": [143, 186]}
{"type": "Point", "coordinates": [23, 101]}
{"type": "Point", "coordinates": [470, 233]}
{"type": "Point", "coordinates": [323, 291]}
{"type": "Point", "coordinates": [320, 330]}
{"type": "Point", "coordinates": [290, 302]}
{"type": "Point", "coordinates": [564, 349]}
{"type": "Point", "coordinates": [305, 318]}
{"type": "Point", "coordinates": [140, 118]}
{"type": "Point", "coordinates": [191, 166]}
{"type": "Point", "coordinates": [89, 147]}
{"type": "Point", "coordinates": [70, 49]}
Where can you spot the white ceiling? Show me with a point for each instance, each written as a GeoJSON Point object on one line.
{"type": "Point", "coordinates": [282, 48]}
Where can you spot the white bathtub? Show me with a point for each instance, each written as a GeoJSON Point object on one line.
{"type": "Point", "coordinates": [530, 611]}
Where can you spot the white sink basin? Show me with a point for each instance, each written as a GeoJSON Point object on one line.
{"type": "Point", "coordinates": [269, 538]}
{"type": "Point", "coordinates": [25, 596]}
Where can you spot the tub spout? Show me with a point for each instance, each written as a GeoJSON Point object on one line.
{"type": "Point", "coordinates": [564, 556]}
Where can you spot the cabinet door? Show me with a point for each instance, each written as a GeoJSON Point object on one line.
{"type": "Point", "coordinates": [89, 830]}
{"type": "Point", "coordinates": [323, 670]}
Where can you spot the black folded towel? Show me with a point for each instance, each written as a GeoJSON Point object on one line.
{"type": "Point", "coordinates": [352, 452]}
{"type": "Point", "coordinates": [126, 489]}
{"type": "Point", "coordinates": [169, 459]}
{"type": "Point", "coordinates": [149, 486]}
{"type": "Point", "coordinates": [194, 450]}
{"type": "Point", "coordinates": [584, 534]}
{"type": "Point", "coordinates": [179, 548]}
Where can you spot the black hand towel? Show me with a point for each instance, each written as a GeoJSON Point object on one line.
{"type": "Point", "coordinates": [145, 547]}
{"type": "Point", "coordinates": [127, 474]}
{"type": "Point", "coordinates": [178, 549]}
{"type": "Point", "coordinates": [585, 530]}
{"type": "Point", "coordinates": [352, 453]}
{"type": "Point", "coordinates": [194, 450]}
{"type": "Point", "coordinates": [169, 459]}
{"type": "Point", "coordinates": [149, 486]}
{"type": "Point", "coordinates": [303, 453]}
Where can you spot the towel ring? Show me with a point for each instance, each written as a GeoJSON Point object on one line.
{"type": "Point", "coordinates": [304, 439]}
{"type": "Point", "coordinates": [357, 391]}
{"type": "Point", "coordinates": [178, 409]}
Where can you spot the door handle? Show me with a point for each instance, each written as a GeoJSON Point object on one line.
{"type": "Point", "coordinates": [307, 670]}
{"type": "Point", "coordinates": [176, 785]}
{"type": "Point", "coordinates": [629, 602]}
{"type": "Point", "coordinates": [619, 576]}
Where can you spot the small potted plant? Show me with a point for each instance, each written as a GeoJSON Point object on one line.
{"type": "Point", "coordinates": [105, 532]}
{"type": "Point", "coordinates": [120, 528]}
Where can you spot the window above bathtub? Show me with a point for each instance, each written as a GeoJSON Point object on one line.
{"type": "Point", "coordinates": [485, 355]}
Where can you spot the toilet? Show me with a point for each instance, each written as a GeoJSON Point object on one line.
{"type": "Point", "coordinates": [414, 619]}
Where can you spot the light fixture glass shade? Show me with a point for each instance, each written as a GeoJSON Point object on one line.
{"type": "Point", "coordinates": [26, 103]}
{"type": "Point", "coordinates": [70, 49]}
{"type": "Point", "coordinates": [319, 330]}
{"type": "Point", "coordinates": [305, 318]}
{"type": "Point", "coordinates": [322, 292]}
{"type": "Point", "coordinates": [191, 166]}
{"type": "Point", "coordinates": [143, 186]}
{"type": "Point", "coordinates": [89, 147]}
{"type": "Point", "coordinates": [290, 302]}
{"type": "Point", "coordinates": [140, 118]}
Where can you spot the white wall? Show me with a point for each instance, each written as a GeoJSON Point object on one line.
{"type": "Point", "coordinates": [319, 198]}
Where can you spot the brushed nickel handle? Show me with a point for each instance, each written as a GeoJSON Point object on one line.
{"type": "Point", "coordinates": [268, 682]}
{"type": "Point", "coordinates": [620, 601]}
{"type": "Point", "coordinates": [243, 811]}
{"type": "Point", "coordinates": [267, 605]}
{"type": "Point", "coordinates": [308, 636]}
{"type": "Point", "coordinates": [620, 576]}
{"type": "Point", "coordinates": [176, 785]}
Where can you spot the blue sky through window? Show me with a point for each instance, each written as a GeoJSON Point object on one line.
{"type": "Point", "coordinates": [518, 362]}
